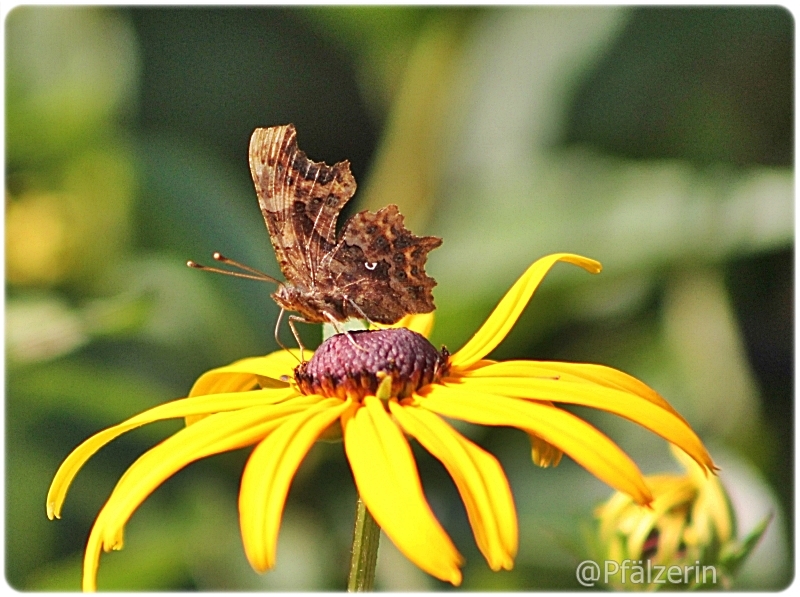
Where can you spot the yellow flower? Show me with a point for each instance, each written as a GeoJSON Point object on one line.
{"type": "Point", "coordinates": [689, 527]}
{"type": "Point", "coordinates": [395, 385]}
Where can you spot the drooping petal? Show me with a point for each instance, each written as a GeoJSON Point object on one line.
{"type": "Point", "coordinates": [544, 454]}
{"type": "Point", "coordinates": [218, 433]}
{"type": "Point", "coordinates": [387, 480]}
{"type": "Point", "coordinates": [269, 473]}
{"type": "Point", "coordinates": [479, 478]}
{"type": "Point", "coordinates": [651, 416]}
{"type": "Point", "coordinates": [510, 307]}
{"type": "Point", "coordinates": [586, 445]}
{"type": "Point", "coordinates": [175, 409]}
{"type": "Point", "coordinates": [245, 374]}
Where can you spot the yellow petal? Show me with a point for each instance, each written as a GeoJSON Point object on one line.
{"type": "Point", "coordinates": [589, 372]}
{"type": "Point", "coordinates": [667, 498]}
{"type": "Point", "coordinates": [670, 538]}
{"type": "Point", "coordinates": [91, 561]}
{"type": "Point", "coordinates": [661, 421]}
{"type": "Point", "coordinates": [175, 409]}
{"type": "Point", "coordinates": [244, 374]}
{"type": "Point", "coordinates": [570, 434]}
{"type": "Point", "coordinates": [610, 514]}
{"type": "Point", "coordinates": [544, 454]}
{"type": "Point", "coordinates": [711, 505]}
{"type": "Point", "coordinates": [479, 478]}
{"type": "Point", "coordinates": [510, 307]}
{"type": "Point", "coordinates": [387, 480]}
{"type": "Point", "coordinates": [268, 475]}
{"type": "Point", "coordinates": [620, 516]}
{"type": "Point", "coordinates": [422, 323]}
{"type": "Point", "coordinates": [711, 513]}
{"type": "Point", "coordinates": [217, 433]}
{"type": "Point", "coordinates": [91, 557]}
{"type": "Point", "coordinates": [666, 513]}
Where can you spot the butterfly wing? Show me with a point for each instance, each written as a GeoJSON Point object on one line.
{"type": "Point", "coordinates": [376, 268]}
{"type": "Point", "coordinates": [299, 199]}
{"type": "Point", "coordinates": [379, 265]}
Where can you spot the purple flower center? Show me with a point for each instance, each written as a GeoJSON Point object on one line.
{"type": "Point", "coordinates": [340, 369]}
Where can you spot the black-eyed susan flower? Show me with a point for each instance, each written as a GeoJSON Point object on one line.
{"type": "Point", "coordinates": [684, 539]}
{"type": "Point", "coordinates": [395, 386]}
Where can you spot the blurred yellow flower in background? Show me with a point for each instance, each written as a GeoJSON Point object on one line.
{"type": "Point", "coordinates": [689, 525]}
{"type": "Point", "coordinates": [35, 240]}
{"type": "Point", "coordinates": [399, 386]}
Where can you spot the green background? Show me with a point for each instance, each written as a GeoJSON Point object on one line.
{"type": "Point", "coordinates": [656, 140]}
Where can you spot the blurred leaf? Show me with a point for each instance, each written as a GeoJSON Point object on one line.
{"type": "Point", "coordinates": [737, 553]}
{"type": "Point", "coordinates": [408, 161]}
{"type": "Point", "coordinates": [41, 328]}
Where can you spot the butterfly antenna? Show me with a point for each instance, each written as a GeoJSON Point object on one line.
{"type": "Point", "coordinates": [247, 271]}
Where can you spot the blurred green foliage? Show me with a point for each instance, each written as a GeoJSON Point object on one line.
{"type": "Point", "coordinates": [657, 140]}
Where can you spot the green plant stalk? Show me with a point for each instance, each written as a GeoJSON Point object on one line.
{"type": "Point", "coordinates": [366, 537]}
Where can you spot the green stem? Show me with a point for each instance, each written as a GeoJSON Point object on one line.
{"type": "Point", "coordinates": [366, 536]}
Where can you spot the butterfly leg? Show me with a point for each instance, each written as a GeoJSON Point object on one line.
{"type": "Point", "coordinates": [360, 310]}
{"type": "Point", "coordinates": [292, 319]}
{"type": "Point", "coordinates": [277, 338]}
{"type": "Point", "coordinates": [339, 330]}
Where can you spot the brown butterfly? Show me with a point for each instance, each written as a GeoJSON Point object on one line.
{"type": "Point", "coordinates": [374, 269]}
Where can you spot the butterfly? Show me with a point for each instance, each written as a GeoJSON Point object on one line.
{"type": "Point", "coordinates": [373, 269]}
